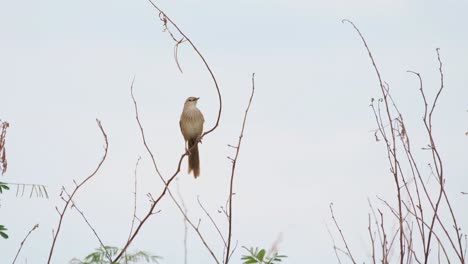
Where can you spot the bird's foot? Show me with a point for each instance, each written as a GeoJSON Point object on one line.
{"type": "Point", "coordinates": [187, 150]}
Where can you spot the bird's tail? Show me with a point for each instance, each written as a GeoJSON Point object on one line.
{"type": "Point", "coordinates": [194, 159]}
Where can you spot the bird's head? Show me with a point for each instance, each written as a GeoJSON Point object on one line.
{"type": "Point", "coordinates": [191, 101]}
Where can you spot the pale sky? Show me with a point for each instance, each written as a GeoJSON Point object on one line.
{"type": "Point", "coordinates": [307, 141]}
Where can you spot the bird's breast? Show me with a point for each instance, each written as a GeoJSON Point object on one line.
{"type": "Point", "coordinates": [191, 123]}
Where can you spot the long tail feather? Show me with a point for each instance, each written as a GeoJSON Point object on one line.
{"type": "Point", "coordinates": [194, 159]}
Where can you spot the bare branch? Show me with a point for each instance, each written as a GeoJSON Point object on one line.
{"type": "Point", "coordinates": [166, 188]}
{"type": "Point", "coordinates": [343, 239]}
{"type": "Point", "coordinates": [24, 240]}
{"type": "Point", "coordinates": [108, 256]}
{"type": "Point", "coordinates": [166, 20]}
{"type": "Point", "coordinates": [233, 169]}
{"type": "Point", "coordinates": [134, 197]}
{"type": "Point", "coordinates": [371, 235]}
{"type": "Point", "coordinates": [3, 159]}
{"type": "Point", "coordinates": [212, 221]}
{"type": "Point", "coordinates": [140, 126]}
{"type": "Point", "coordinates": [62, 213]}
{"type": "Point", "coordinates": [163, 14]}
{"type": "Point", "coordinates": [335, 248]}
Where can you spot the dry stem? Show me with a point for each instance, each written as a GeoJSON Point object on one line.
{"type": "Point", "coordinates": [234, 163]}
{"type": "Point", "coordinates": [24, 240]}
{"type": "Point", "coordinates": [78, 186]}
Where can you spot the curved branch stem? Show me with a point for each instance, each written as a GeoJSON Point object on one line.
{"type": "Point", "coordinates": [78, 186]}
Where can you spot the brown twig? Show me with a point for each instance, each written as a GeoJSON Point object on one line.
{"type": "Point", "coordinates": [151, 211]}
{"type": "Point", "coordinates": [212, 221]}
{"type": "Point", "coordinates": [166, 188]}
{"type": "Point", "coordinates": [416, 209]}
{"type": "Point", "coordinates": [143, 137]}
{"type": "Point", "coordinates": [167, 183]}
{"type": "Point", "coordinates": [438, 170]}
{"type": "Point", "coordinates": [108, 256]}
{"type": "Point", "coordinates": [78, 186]}
{"type": "Point", "coordinates": [3, 159]}
{"type": "Point", "coordinates": [439, 241]}
{"type": "Point", "coordinates": [134, 198]}
{"type": "Point", "coordinates": [436, 158]}
{"type": "Point", "coordinates": [343, 239]}
{"type": "Point", "coordinates": [385, 248]}
{"type": "Point", "coordinates": [371, 235]}
{"type": "Point", "coordinates": [391, 145]}
{"type": "Point", "coordinates": [439, 161]}
{"type": "Point", "coordinates": [335, 248]}
{"type": "Point", "coordinates": [233, 169]}
{"type": "Point", "coordinates": [24, 240]}
{"type": "Point", "coordinates": [201, 57]}
{"type": "Point", "coordinates": [163, 19]}
{"type": "Point", "coordinates": [408, 236]}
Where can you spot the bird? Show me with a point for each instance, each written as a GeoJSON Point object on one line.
{"type": "Point", "coordinates": [191, 126]}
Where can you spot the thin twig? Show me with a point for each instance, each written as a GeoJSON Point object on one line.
{"type": "Point", "coordinates": [233, 169]}
{"type": "Point", "coordinates": [67, 202]}
{"type": "Point", "coordinates": [140, 126]}
{"type": "Point", "coordinates": [167, 183]}
{"type": "Point", "coordinates": [343, 239]}
{"type": "Point", "coordinates": [24, 240]}
{"type": "Point", "coordinates": [212, 221]}
{"type": "Point", "coordinates": [134, 197]}
{"type": "Point", "coordinates": [166, 19]}
{"type": "Point", "coordinates": [166, 187]}
{"type": "Point", "coordinates": [391, 148]}
{"type": "Point", "coordinates": [204, 62]}
{"type": "Point", "coordinates": [369, 229]}
{"type": "Point", "coordinates": [335, 248]}
{"type": "Point", "coordinates": [3, 157]}
{"type": "Point", "coordinates": [108, 256]}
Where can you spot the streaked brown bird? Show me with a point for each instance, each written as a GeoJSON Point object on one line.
{"type": "Point", "coordinates": [191, 125]}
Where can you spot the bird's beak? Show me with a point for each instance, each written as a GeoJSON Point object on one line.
{"type": "Point", "coordinates": [198, 98]}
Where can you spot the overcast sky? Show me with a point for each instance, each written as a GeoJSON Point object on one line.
{"type": "Point", "coordinates": [307, 142]}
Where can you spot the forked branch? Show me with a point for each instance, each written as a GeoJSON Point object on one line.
{"type": "Point", "coordinates": [167, 183]}
{"type": "Point", "coordinates": [77, 187]}
{"type": "Point", "coordinates": [233, 170]}
{"type": "Point", "coordinates": [24, 240]}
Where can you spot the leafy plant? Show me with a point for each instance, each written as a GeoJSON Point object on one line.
{"type": "Point", "coordinates": [102, 255]}
{"type": "Point", "coordinates": [3, 186]}
{"type": "Point", "coordinates": [3, 234]}
{"type": "Point", "coordinates": [261, 256]}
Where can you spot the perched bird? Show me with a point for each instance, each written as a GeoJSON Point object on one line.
{"type": "Point", "coordinates": [191, 125]}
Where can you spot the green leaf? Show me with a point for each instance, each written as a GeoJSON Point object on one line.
{"type": "Point", "coordinates": [4, 235]}
{"type": "Point", "coordinates": [99, 256]}
{"type": "Point", "coordinates": [3, 186]}
{"type": "Point", "coordinates": [251, 261]}
{"type": "Point", "coordinates": [261, 254]}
